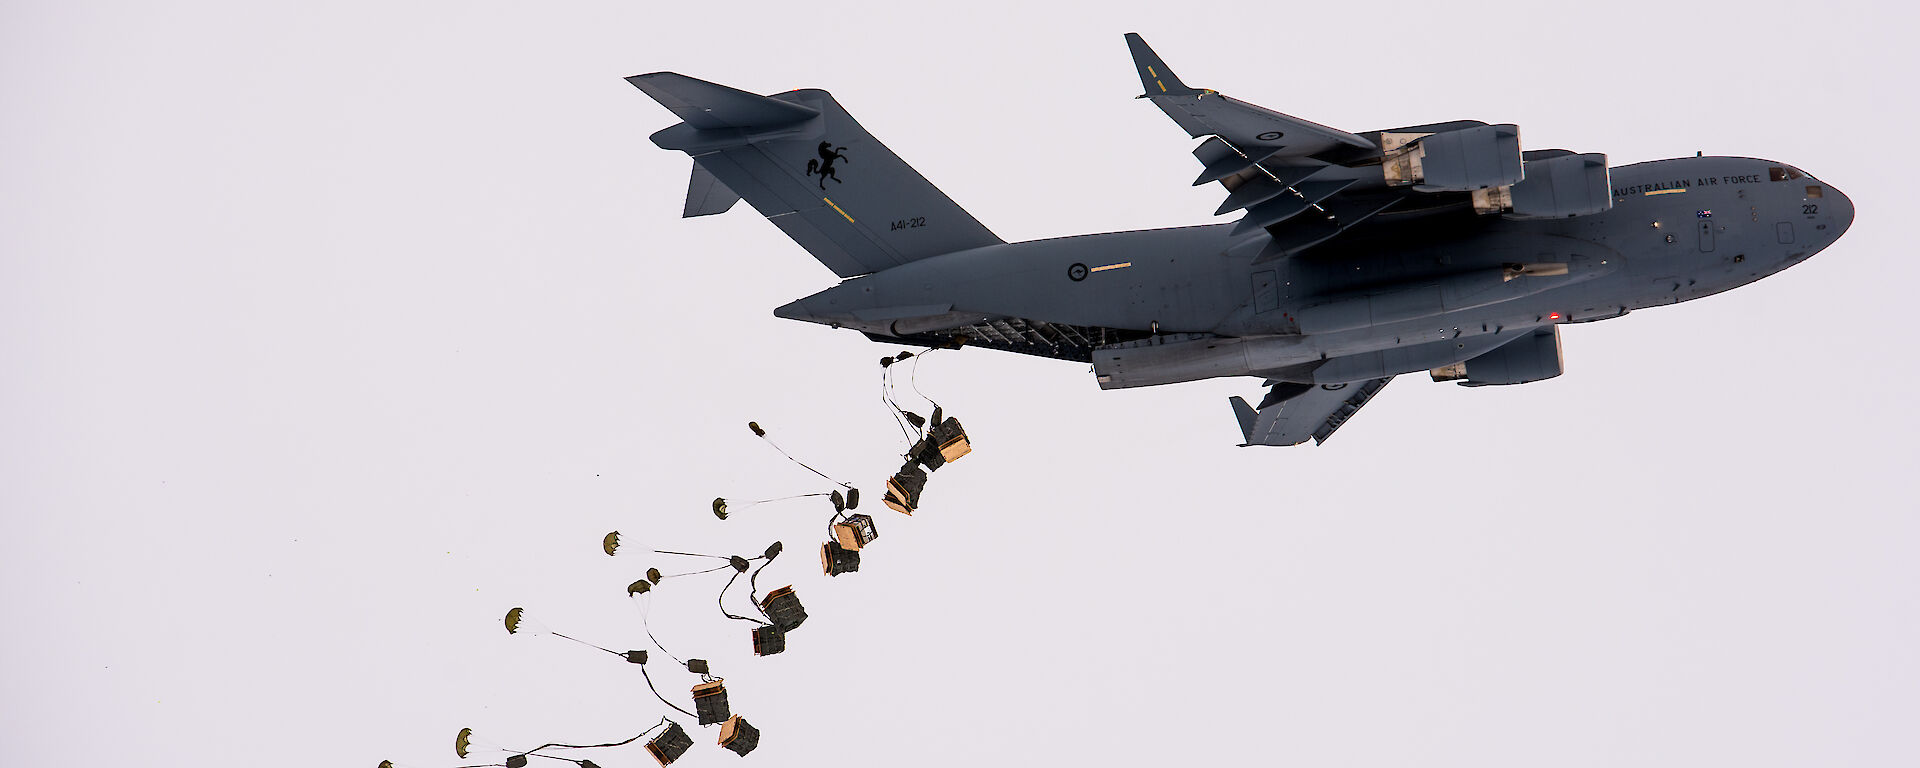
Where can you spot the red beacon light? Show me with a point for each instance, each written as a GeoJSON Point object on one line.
{"type": "Point", "coordinates": [1553, 316]}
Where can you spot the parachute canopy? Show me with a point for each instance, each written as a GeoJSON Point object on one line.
{"type": "Point", "coordinates": [463, 740]}
{"type": "Point", "coordinates": [513, 624]}
{"type": "Point", "coordinates": [640, 587]}
{"type": "Point", "coordinates": [611, 542]}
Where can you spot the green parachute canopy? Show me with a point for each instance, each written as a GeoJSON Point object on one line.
{"type": "Point", "coordinates": [462, 741]}
{"type": "Point", "coordinates": [513, 624]}
{"type": "Point", "coordinates": [611, 542]}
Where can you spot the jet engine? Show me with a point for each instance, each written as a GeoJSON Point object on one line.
{"type": "Point", "coordinates": [1532, 357]}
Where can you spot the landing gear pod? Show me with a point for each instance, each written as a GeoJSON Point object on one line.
{"type": "Point", "coordinates": [783, 608]}
{"type": "Point", "coordinates": [738, 736]}
{"type": "Point", "coordinates": [670, 744]}
{"type": "Point", "coordinates": [836, 559]}
{"type": "Point", "coordinates": [710, 702]}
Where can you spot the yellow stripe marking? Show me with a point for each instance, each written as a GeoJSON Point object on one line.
{"type": "Point", "coordinates": [1665, 192]}
{"type": "Point", "coordinates": [837, 208]}
{"type": "Point", "coordinates": [1152, 73]}
{"type": "Point", "coordinates": [1163, 86]}
{"type": "Point", "coordinates": [1121, 265]}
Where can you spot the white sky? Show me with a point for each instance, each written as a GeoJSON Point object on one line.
{"type": "Point", "coordinates": [328, 332]}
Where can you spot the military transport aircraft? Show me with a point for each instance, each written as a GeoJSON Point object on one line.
{"type": "Point", "coordinates": [1357, 257]}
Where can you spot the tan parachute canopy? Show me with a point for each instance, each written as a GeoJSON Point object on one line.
{"type": "Point", "coordinates": [513, 620]}
{"type": "Point", "coordinates": [610, 543]}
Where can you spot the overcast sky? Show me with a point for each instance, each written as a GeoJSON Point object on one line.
{"type": "Point", "coordinates": [329, 332]}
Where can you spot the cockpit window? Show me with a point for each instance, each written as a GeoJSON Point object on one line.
{"type": "Point", "coordinates": [1813, 190]}
{"type": "Point", "coordinates": [1785, 173]}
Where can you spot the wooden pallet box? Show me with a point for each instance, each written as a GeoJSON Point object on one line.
{"type": "Point", "coordinates": [739, 736]}
{"type": "Point", "coordinates": [710, 702]}
{"type": "Point", "coordinates": [783, 608]}
{"type": "Point", "coordinates": [855, 532]}
{"type": "Point", "coordinates": [670, 744]}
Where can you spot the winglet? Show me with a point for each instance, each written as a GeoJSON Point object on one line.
{"type": "Point", "coordinates": [710, 106]}
{"type": "Point", "coordinates": [1246, 414]}
{"type": "Point", "coordinates": [1155, 77]}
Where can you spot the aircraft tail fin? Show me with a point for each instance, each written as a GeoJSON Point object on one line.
{"type": "Point", "coordinates": [800, 160]}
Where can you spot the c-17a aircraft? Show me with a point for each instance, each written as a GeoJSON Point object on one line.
{"type": "Point", "coordinates": [1358, 257]}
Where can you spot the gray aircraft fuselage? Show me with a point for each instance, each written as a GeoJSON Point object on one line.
{"type": "Point", "coordinates": [1447, 247]}
{"type": "Point", "coordinates": [1378, 301]}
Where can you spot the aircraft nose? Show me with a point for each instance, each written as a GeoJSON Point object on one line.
{"type": "Point", "coordinates": [1841, 207]}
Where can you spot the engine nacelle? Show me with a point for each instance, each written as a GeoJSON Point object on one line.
{"type": "Point", "coordinates": [1532, 357]}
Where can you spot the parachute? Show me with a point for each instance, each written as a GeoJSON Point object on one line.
{"type": "Point", "coordinates": [932, 442]}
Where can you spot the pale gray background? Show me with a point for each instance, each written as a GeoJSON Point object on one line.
{"type": "Point", "coordinates": [329, 331]}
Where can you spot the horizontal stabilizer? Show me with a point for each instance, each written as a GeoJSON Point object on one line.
{"type": "Point", "coordinates": [711, 106]}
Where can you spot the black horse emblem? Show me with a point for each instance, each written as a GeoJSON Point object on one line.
{"type": "Point", "coordinates": [823, 167]}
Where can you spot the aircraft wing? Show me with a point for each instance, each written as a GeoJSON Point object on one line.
{"type": "Point", "coordinates": [1305, 183]}
{"type": "Point", "coordinates": [1293, 413]}
{"type": "Point", "coordinates": [1251, 129]}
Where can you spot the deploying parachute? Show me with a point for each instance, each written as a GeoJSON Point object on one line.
{"type": "Point", "coordinates": [932, 443]}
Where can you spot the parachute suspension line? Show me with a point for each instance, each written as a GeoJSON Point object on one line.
{"type": "Point", "coordinates": [733, 506]}
{"type": "Point", "coordinates": [649, 629]}
{"type": "Point", "coordinates": [886, 396]}
{"type": "Point", "coordinates": [913, 378]}
{"type": "Point", "coordinates": [694, 573]}
{"type": "Point", "coordinates": [587, 644]}
{"type": "Point", "coordinates": [691, 554]}
{"type": "Point", "coordinates": [535, 751]}
{"type": "Point", "coordinates": [783, 452]}
{"type": "Point", "coordinates": [723, 600]}
{"type": "Point", "coordinates": [663, 699]}
{"type": "Point", "coordinates": [753, 588]}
